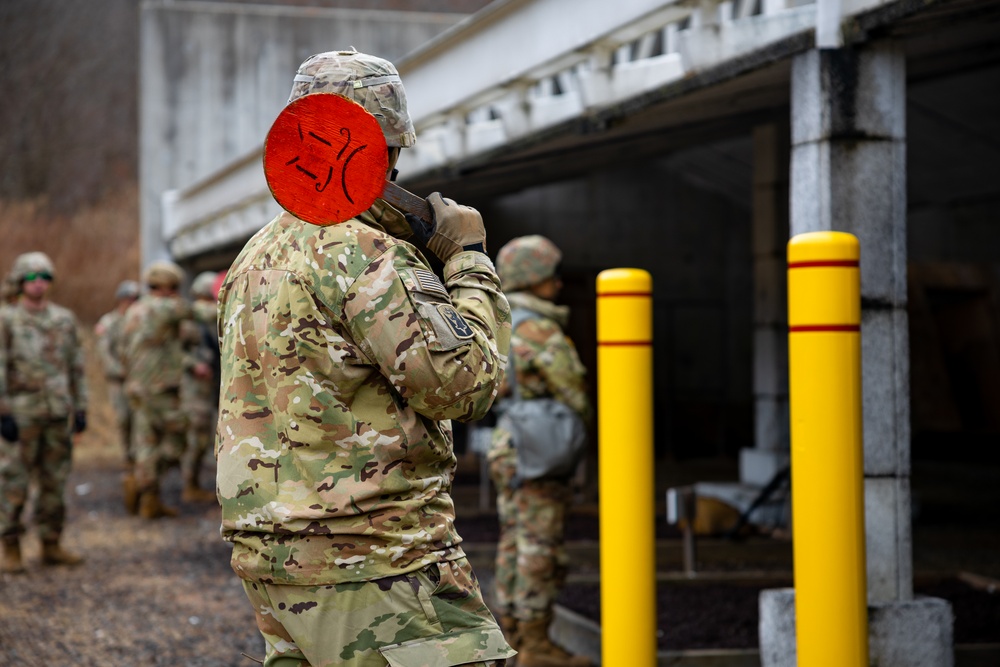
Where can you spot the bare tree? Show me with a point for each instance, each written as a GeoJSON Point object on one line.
{"type": "Point", "coordinates": [69, 116]}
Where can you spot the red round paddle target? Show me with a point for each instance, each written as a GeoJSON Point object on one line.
{"type": "Point", "coordinates": [325, 159]}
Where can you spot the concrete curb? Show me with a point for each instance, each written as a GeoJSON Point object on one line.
{"type": "Point", "coordinates": [580, 635]}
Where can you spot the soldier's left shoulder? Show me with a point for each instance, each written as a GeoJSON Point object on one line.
{"type": "Point", "coordinates": [540, 329]}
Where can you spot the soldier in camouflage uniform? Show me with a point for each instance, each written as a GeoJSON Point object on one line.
{"type": "Point", "coordinates": [10, 290]}
{"type": "Point", "coordinates": [200, 390]}
{"type": "Point", "coordinates": [43, 401]}
{"type": "Point", "coordinates": [109, 346]}
{"type": "Point", "coordinates": [531, 557]}
{"type": "Point", "coordinates": [344, 358]}
{"type": "Point", "coordinates": [158, 329]}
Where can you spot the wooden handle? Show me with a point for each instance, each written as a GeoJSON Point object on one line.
{"type": "Point", "coordinates": [407, 202]}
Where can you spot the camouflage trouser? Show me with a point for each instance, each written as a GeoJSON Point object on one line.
{"type": "Point", "coordinates": [434, 617]}
{"type": "Point", "coordinates": [123, 416]}
{"type": "Point", "coordinates": [159, 434]}
{"type": "Point", "coordinates": [44, 453]}
{"type": "Point", "coordinates": [200, 437]}
{"type": "Point", "coordinates": [531, 562]}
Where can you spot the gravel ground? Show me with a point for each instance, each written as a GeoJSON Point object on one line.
{"type": "Point", "coordinates": [162, 593]}
{"type": "Point", "coordinates": [149, 593]}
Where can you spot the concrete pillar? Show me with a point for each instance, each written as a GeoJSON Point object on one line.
{"type": "Point", "coordinates": [759, 464]}
{"type": "Point", "coordinates": [770, 317]}
{"type": "Point", "coordinates": [848, 173]}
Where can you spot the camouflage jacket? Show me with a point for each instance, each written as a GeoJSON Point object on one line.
{"type": "Point", "coordinates": [344, 359]}
{"type": "Point", "coordinates": [109, 343]}
{"type": "Point", "coordinates": [41, 363]}
{"type": "Point", "coordinates": [156, 332]}
{"type": "Point", "coordinates": [202, 392]}
{"type": "Point", "coordinates": [545, 361]}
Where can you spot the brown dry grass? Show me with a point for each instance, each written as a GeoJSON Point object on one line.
{"type": "Point", "coordinates": [93, 249]}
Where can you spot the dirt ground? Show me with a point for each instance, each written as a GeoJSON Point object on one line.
{"type": "Point", "coordinates": [162, 593]}
{"type": "Point", "coordinates": [148, 594]}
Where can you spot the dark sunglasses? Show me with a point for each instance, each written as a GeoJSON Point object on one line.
{"type": "Point", "coordinates": [35, 275]}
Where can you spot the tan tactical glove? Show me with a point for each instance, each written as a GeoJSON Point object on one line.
{"type": "Point", "coordinates": [455, 228]}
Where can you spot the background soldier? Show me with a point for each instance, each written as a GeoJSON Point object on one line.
{"type": "Point", "coordinates": [531, 559]}
{"type": "Point", "coordinates": [110, 348]}
{"type": "Point", "coordinates": [343, 360]}
{"type": "Point", "coordinates": [158, 327]}
{"type": "Point", "coordinates": [200, 389]}
{"type": "Point", "coordinates": [10, 290]}
{"type": "Point", "coordinates": [43, 401]}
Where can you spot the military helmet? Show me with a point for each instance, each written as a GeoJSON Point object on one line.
{"type": "Point", "coordinates": [204, 285]}
{"type": "Point", "coordinates": [127, 289]}
{"type": "Point", "coordinates": [526, 261]}
{"type": "Point", "coordinates": [32, 262]}
{"type": "Point", "coordinates": [163, 273]}
{"type": "Point", "coordinates": [368, 80]}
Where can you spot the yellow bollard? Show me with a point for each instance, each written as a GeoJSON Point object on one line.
{"type": "Point", "coordinates": [625, 458]}
{"type": "Point", "coordinates": [824, 356]}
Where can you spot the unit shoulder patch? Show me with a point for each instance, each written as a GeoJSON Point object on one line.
{"type": "Point", "coordinates": [456, 322]}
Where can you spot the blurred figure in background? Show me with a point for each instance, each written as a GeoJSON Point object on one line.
{"type": "Point", "coordinates": [531, 561]}
{"type": "Point", "coordinates": [110, 348]}
{"type": "Point", "coordinates": [158, 328]}
{"type": "Point", "coordinates": [43, 402]}
{"type": "Point", "coordinates": [200, 389]}
{"type": "Point", "coordinates": [10, 289]}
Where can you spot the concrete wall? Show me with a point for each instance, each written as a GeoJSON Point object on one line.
{"type": "Point", "coordinates": [213, 76]}
{"type": "Point", "coordinates": [658, 215]}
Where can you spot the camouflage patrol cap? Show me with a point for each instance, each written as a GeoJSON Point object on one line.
{"type": "Point", "coordinates": [204, 285]}
{"type": "Point", "coordinates": [31, 262]}
{"type": "Point", "coordinates": [163, 273]}
{"type": "Point", "coordinates": [526, 261]}
{"type": "Point", "coordinates": [127, 289]}
{"type": "Point", "coordinates": [368, 80]}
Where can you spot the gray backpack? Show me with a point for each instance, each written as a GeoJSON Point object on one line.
{"type": "Point", "coordinates": [548, 435]}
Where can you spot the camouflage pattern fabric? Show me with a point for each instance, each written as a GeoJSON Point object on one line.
{"type": "Point", "coordinates": [200, 395]}
{"type": "Point", "coordinates": [159, 436]}
{"type": "Point", "coordinates": [526, 261]}
{"type": "Point", "coordinates": [110, 343]}
{"type": "Point", "coordinates": [432, 617]}
{"type": "Point", "coordinates": [41, 363]}
{"type": "Point", "coordinates": [531, 561]}
{"type": "Point", "coordinates": [44, 455]}
{"type": "Point", "coordinates": [368, 80]}
{"type": "Point", "coordinates": [156, 332]}
{"type": "Point", "coordinates": [42, 383]}
{"type": "Point", "coordinates": [344, 360]}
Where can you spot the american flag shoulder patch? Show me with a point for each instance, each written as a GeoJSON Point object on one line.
{"type": "Point", "coordinates": [428, 282]}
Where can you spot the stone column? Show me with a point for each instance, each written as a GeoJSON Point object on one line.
{"type": "Point", "coordinates": [770, 316]}
{"type": "Point", "coordinates": [848, 173]}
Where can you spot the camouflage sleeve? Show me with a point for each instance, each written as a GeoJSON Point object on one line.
{"type": "Point", "coordinates": [442, 348]}
{"type": "Point", "coordinates": [78, 374]}
{"type": "Point", "coordinates": [557, 361]}
{"type": "Point", "coordinates": [106, 331]}
{"type": "Point", "coordinates": [4, 337]}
